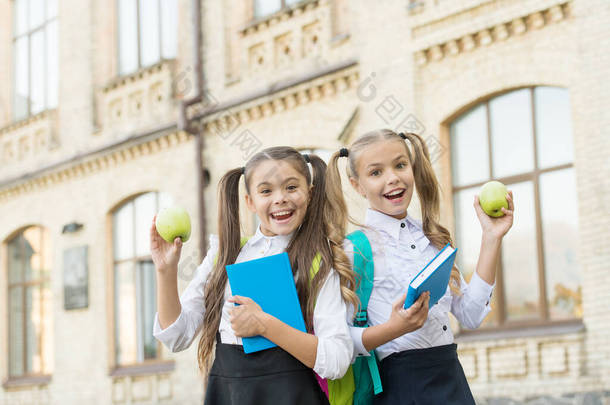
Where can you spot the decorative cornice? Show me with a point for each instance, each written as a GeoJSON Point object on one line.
{"type": "Point", "coordinates": [27, 121]}
{"type": "Point", "coordinates": [92, 163]}
{"type": "Point", "coordinates": [166, 64]}
{"type": "Point", "coordinates": [281, 99]}
{"type": "Point", "coordinates": [487, 36]}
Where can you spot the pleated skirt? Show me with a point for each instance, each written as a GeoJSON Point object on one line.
{"type": "Point", "coordinates": [432, 376]}
{"type": "Point", "coordinates": [271, 376]}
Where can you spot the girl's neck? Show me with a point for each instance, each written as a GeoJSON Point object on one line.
{"type": "Point", "coordinates": [401, 215]}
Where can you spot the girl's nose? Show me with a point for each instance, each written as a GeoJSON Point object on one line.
{"type": "Point", "coordinates": [279, 197]}
{"type": "Point", "coordinates": [392, 177]}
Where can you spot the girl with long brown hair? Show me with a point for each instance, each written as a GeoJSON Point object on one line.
{"type": "Point", "coordinates": [290, 205]}
{"type": "Point", "coordinates": [418, 363]}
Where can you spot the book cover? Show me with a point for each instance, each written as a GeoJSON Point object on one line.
{"type": "Point", "coordinates": [434, 277]}
{"type": "Point", "coordinates": [270, 283]}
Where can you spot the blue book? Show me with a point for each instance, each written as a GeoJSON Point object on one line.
{"type": "Point", "coordinates": [270, 283]}
{"type": "Point", "coordinates": [434, 277]}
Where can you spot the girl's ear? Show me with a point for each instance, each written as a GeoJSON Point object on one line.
{"type": "Point", "coordinates": [250, 203]}
{"type": "Point", "coordinates": [356, 185]}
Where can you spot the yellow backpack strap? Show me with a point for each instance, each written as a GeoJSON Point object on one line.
{"type": "Point", "coordinates": [242, 243]}
{"type": "Point", "coordinates": [315, 267]}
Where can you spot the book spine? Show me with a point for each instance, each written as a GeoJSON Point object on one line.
{"type": "Point", "coordinates": [411, 297]}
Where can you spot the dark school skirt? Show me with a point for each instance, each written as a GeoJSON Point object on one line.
{"type": "Point", "coordinates": [271, 376]}
{"type": "Point", "coordinates": [431, 376]}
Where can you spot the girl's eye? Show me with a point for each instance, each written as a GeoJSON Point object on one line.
{"type": "Point", "coordinates": [265, 191]}
{"type": "Point", "coordinates": [292, 187]}
{"type": "Point", "coordinates": [401, 165]}
{"type": "Point", "coordinates": [375, 173]}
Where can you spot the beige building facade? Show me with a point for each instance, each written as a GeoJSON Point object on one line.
{"type": "Point", "coordinates": [499, 89]}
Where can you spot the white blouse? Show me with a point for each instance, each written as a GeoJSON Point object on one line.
{"type": "Point", "coordinates": [400, 250]}
{"type": "Point", "coordinates": [335, 347]}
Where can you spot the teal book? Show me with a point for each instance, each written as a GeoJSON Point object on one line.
{"type": "Point", "coordinates": [270, 283]}
{"type": "Point", "coordinates": [434, 277]}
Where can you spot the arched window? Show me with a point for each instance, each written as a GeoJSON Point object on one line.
{"type": "Point", "coordinates": [29, 303]}
{"type": "Point", "coordinates": [134, 279]}
{"type": "Point", "coordinates": [524, 139]}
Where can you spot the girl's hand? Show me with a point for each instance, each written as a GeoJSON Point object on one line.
{"type": "Point", "coordinates": [165, 255]}
{"type": "Point", "coordinates": [496, 227]}
{"type": "Point", "coordinates": [247, 319]}
{"type": "Point", "coordinates": [408, 320]}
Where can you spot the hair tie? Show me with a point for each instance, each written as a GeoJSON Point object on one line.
{"type": "Point", "coordinates": [243, 170]}
{"type": "Point", "coordinates": [306, 157]}
{"type": "Point", "coordinates": [343, 152]}
{"type": "Point", "coordinates": [402, 135]}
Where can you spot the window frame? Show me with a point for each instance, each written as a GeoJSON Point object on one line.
{"type": "Point", "coordinates": [139, 66]}
{"type": "Point", "coordinates": [157, 364]}
{"type": "Point", "coordinates": [40, 282]}
{"type": "Point", "coordinates": [284, 6]}
{"type": "Point", "coordinates": [29, 33]}
{"type": "Point", "coordinates": [533, 176]}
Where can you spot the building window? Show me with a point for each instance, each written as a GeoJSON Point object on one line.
{"type": "Point", "coordinates": [134, 279]}
{"type": "Point", "coordinates": [35, 63]}
{"type": "Point", "coordinates": [263, 8]}
{"type": "Point", "coordinates": [524, 139]}
{"type": "Point", "coordinates": [29, 303]}
{"type": "Point", "coordinates": [147, 33]}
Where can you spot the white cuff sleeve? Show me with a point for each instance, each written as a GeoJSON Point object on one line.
{"type": "Point", "coordinates": [479, 291]}
{"type": "Point", "coordinates": [359, 349]}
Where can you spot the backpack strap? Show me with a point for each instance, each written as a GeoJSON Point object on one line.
{"type": "Point", "coordinates": [365, 271]}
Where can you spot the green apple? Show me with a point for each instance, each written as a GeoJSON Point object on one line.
{"type": "Point", "coordinates": [493, 197]}
{"type": "Point", "coordinates": [173, 222]}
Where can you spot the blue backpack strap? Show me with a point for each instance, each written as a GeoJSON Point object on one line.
{"type": "Point", "coordinates": [365, 270]}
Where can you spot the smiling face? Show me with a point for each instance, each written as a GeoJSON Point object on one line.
{"type": "Point", "coordinates": [279, 195]}
{"type": "Point", "coordinates": [385, 177]}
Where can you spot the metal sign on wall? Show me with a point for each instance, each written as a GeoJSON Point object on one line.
{"type": "Point", "coordinates": [76, 278]}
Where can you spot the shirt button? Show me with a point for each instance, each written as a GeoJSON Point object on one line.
{"type": "Point", "coordinates": [412, 246]}
{"type": "Point", "coordinates": [444, 327]}
{"type": "Point", "coordinates": [402, 225]}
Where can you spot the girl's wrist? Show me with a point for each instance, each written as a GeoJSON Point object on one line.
{"type": "Point", "coordinates": [490, 238]}
{"type": "Point", "coordinates": [392, 329]}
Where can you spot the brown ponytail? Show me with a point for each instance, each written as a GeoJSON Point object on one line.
{"type": "Point", "coordinates": [228, 249]}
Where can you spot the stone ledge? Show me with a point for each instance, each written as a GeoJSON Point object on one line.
{"type": "Point", "coordinates": [27, 381]}
{"type": "Point", "coordinates": [144, 369]}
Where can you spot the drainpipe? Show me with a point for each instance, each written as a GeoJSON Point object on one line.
{"type": "Point", "coordinates": [186, 124]}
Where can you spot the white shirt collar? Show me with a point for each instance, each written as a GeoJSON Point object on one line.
{"type": "Point", "coordinates": [388, 224]}
{"type": "Point", "coordinates": [281, 240]}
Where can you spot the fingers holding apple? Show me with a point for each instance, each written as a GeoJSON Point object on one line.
{"type": "Point", "coordinates": [495, 208]}
{"type": "Point", "coordinates": [169, 229]}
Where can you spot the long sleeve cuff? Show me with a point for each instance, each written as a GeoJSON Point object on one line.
{"type": "Point", "coordinates": [479, 291]}
{"type": "Point", "coordinates": [359, 349]}
{"type": "Point", "coordinates": [333, 357]}
{"type": "Point", "coordinates": [170, 336]}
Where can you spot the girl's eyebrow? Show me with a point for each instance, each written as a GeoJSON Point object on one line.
{"type": "Point", "coordinates": [399, 157]}
{"type": "Point", "coordinates": [266, 183]}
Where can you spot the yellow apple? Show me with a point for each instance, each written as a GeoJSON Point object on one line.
{"type": "Point", "coordinates": [493, 197]}
{"type": "Point", "coordinates": [173, 222]}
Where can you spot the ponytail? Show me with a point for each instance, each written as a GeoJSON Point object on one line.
{"type": "Point", "coordinates": [428, 191]}
{"type": "Point", "coordinates": [228, 249]}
